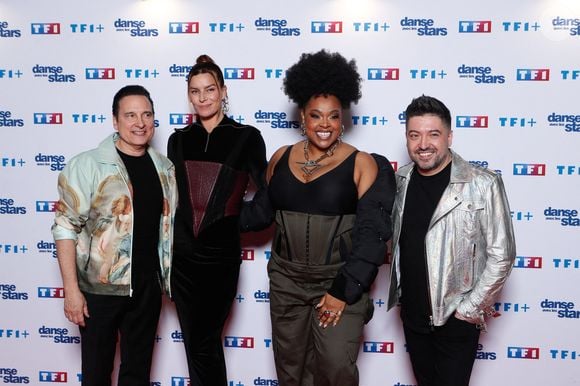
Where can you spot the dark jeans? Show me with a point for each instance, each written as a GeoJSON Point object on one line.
{"type": "Point", "coordinates": [203, 294]}
{"type": "Point", "coordinates": [134, 319]}
{"type": "Point", "coordinates": [445, 356]}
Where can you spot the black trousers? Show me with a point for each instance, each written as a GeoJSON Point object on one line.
{"type": "Point", "coordinates": [134, 319]}
{"type": "Point", "coordinates": [203, 294]}
{"type": "Point", "coordinates": [445, 356]}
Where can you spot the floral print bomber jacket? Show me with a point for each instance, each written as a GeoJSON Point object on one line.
{"type": "Point", "coordinates": [95, 210]}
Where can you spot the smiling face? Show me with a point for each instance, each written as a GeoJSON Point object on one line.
{"type": "Point", "coordinates": [135, 123]}
{"type": "Point", "coordinates": [322, 117]}
{"type": "Point", "coordinates": [428, 143]}
{"type": "Point", "coordinates": [206, 96]}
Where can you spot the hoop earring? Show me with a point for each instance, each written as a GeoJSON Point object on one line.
{"type": "Point", "coordinates": [225, 105]}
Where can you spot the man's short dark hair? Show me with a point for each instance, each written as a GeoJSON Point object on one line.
{"type": "Point", "coordinates": [425, 105]}
{"type": "Point", "coordinates": [127, 91]}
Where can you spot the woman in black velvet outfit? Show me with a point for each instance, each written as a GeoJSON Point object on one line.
{"type": "Point", "coordinates": [214, 158]}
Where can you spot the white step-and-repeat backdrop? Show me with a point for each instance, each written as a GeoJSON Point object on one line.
{"type": "Point", "coordinates": [508, 70]}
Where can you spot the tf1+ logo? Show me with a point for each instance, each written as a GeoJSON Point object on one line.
{"type": "Point", "coordinates": [379, 347]}
{"type": "Point", "coordinates": [45, 28]}
{"type": "Point", "coordinates": [133, 73]}
{"type": "Point", "coordinates": [534, 75]}
{"type": "Point", "coordinates": [7, 73]}
{"type": "Point", "coordinates": [9, 333]}
{"type": "Point", "coordinates": [523, 352]}
{"type": "Point", "coordinates": [368, 26]}
{"type": "Point", "coordinates": [472, 26]}
{"type": "Point", "coordinates": [241, 73]}
{"type": "Point", "coordinates": [83, 28]}
{"type": "Point", "coordinates": [239, 341]}
{"type": "Point", "coordinates": [520, 26]}
{"type": "Point", "coordinates": [53, 376]}
{"type": "Point", "coordinates": [513, 307]}
{"type": "Point", "coordinates": [568, 170]}
{"type": "Point", "coordinates": [88, 118]}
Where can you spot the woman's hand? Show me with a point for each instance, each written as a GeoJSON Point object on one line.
{"type": "Point", "coordinates": [329, 310]}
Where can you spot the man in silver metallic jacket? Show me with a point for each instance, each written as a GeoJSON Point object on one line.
{"type": "Point", "coordinates": [453, 248]}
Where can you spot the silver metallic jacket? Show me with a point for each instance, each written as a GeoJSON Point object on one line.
{"type": "Point", "coordinates": [469, 246]}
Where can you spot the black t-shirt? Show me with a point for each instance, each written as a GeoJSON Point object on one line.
{"type": "Point", "coordinates": [423, 195]}
{"type": "Point", "coordinates": [147, 203]}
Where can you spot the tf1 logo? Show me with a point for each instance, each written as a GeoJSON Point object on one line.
{"type": "Point", "coordinates": [48, 118]}
{"type": "Point", "coordinates": [523, 352]}
{"type": "Point", "coordinates": [534, 75]}
{"type": "Point", "coordinates": [46, 206]}
{"type": "Point", "coordinates": [239, 73]}
{"type": "Point", "coordinates": [100, 73]}
{"type": "Point", "coordinates": [50, 292]}
{"type": "Point", "coordinates": [45, 28]}
{"type": "Point", "coordinates": [52, 376]}
{"type": "Point", "coordinates": [472, 121]}
{"type": "Point", "coordinates": [239, 341]}
{"type": "Point", "coordinates": [379, 347]}
{"type": "Point", "coordinates": [529, 169]}
{"type": "Point", "coordinates": [383, 74]}
{"type": "Point", "coordinates": [189, 27]}
{"type": "Point", "coordinates": [333, 27]}
{"type": "Point", "coordinates": [528, 262]}
{"type": "Point", "coordinates": [469, 26]}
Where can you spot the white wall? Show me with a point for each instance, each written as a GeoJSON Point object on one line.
{"type": "Point", "coordinates": [537, 44]}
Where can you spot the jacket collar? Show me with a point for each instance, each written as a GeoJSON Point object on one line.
{"type": "Point", "coordinates": [107, 152]}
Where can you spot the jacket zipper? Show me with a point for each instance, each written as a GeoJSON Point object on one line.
{"type": "Point", "coordinates": [126, 181]}
{"type": "Point", "coordinates": [431, 323]}
{"type": "Point", "coordinates": [206, 143]}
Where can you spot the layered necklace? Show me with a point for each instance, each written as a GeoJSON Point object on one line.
{"type": "Point", "coordinates": [311, 166]}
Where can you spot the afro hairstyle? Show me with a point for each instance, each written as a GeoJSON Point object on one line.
{"type": "Point", "coordinates": [323, 73]}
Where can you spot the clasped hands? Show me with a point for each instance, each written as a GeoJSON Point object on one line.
{"type": "Point", "coordinates": [329, 310]}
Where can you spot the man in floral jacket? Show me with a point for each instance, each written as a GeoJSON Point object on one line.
{"type": "Point", "coordinates": [113, 231]}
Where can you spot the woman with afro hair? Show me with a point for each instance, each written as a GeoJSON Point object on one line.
{"type": "Point", "coordinates": [333, 206]}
